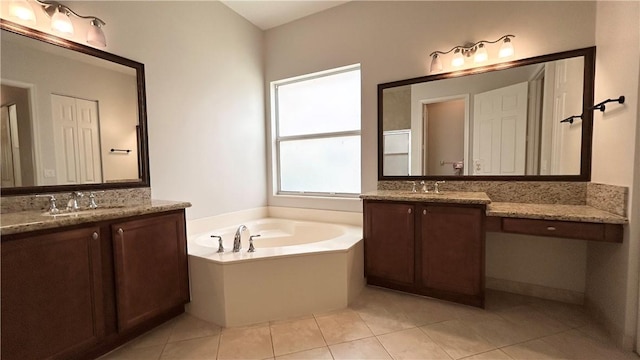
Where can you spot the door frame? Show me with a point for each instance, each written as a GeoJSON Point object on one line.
{"type": "Point", "coordinates": [467, 128]}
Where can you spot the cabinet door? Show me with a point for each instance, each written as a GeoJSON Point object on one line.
{"type": "Point", "coordinates": [150, 258]}
{"type": "Point", "coordinates": [452, 250]}
{"type": "Point", "coordinates": [51, 294]}
{"type": "Point", "coordinates": [389, 242]}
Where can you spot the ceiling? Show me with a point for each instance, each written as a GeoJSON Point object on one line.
{"type": "Point", "coordinates": [267, 14]}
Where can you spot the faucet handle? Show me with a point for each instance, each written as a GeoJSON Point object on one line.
{"type": "Point", "coordinates": [53, 208]}
{"type": "Point", "coordinates": [92, 199]}
{"type": "Point", "coordinates": [220, 247]}
{"type": "Point", "coordinates": [413, 185]}
{"type": "Point", "coordinates": [436, 184]}
{"type": "Point", "coordinates": [424, 186]}
{"type": "Point", "coordinates": [251, 247]}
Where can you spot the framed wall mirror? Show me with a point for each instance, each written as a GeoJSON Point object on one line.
{"type": "Point", "coordinates": [73, 117]}
{"type": "Point", "coordinates": [499, 122]}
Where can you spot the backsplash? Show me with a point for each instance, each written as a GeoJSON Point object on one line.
{"type": "Point", "coordinates": [543, 192]}
{"type": "Point", "coordinates": [108, 198]}
{"type": "Point", "coordinates": [609, 198]}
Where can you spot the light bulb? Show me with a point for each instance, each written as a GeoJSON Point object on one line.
{"type": "Point", "coordinates": [481, 54]}
{"type": "Point", "coordinates": [60, 22]}
{"type": "Point", "coordinates": [506, 49]}
{"type": "Point", "coordinates": [22, 10]}
{"type": "Point", "coordinates": [436, 64]}
{"type": "Point", "coordinates": [95, 35]}
{"type": "Point", "coordinates": [458, 59]}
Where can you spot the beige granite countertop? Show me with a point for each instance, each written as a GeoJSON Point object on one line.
{"type": "Point", "coordinates": [455, 197]}
{"type": "Point", "coordinates": [561, 212]}
{"type": "Point", "coordinates": [19, 222]}
{"type": "Point", "coordinates": [579, 213]}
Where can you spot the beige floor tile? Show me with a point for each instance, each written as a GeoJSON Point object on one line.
{"type": "Point", "coordinates": [457, 339]}
{"type": "Point", "coordinates": [595, 332]}
{"type": "Point", "coordinates": [253, 342]}
{"type": "Point", "coordinates": [362, 349]}
{"type": "Point", "coordinates": [322, 353]}
{"type": "Point", "coordinates": [411, 344]}
{"type": "Point", "coordinates": [498, 331]}
{"type": "Point", "coordinates": [499, 300]}
{"type": "Point", "coordinates": [156, 336]}
{"type": "Point", "coordinates": [490, 355]}
{"type": "Point", "coordinates": [576, 345]}
{"type": "Point", "coordinates": [424, 311]}
{"type": "Point", "coordinates": [294, 336]}
{"type": "Point", "coordinates": [205, 348]}
{"type": "Point", "coordinates": [537, 323]}
{"type": "Point", "coordinates": [188, 327]}
{"type": "Point", "coordinates": [533, 350]}
{"type": "Point", "coordinates": [131, 353]}
{"type": "Point", "coordinates": [569, 314]}
{"type": "Point", "coordinates": [343, 326]}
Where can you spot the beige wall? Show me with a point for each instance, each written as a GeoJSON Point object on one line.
{"type": "Point", "coordinates": [205, 100]}
{"type": "Point", "coordinates": [612, 271]}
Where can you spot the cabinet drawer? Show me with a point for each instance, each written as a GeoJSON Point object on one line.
{"type": "Point", "coordinates": [565, 229]}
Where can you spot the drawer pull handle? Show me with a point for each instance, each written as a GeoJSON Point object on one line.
{"type": "Point", "coordinates": [424, 212]}
{"type": "Point", "coordinates": [120, 231]}
{"type": "Point", "coordinates": [409, 211]}
{"type": "Point", "coordinates": [94, 236]}
{"type": "Point", "coordinates": [551, 228]}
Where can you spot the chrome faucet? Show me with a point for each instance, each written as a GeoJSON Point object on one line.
{"type": "Point", "coordinates": [72, 204]}
{"type": "Point", "coordinates": [237, 239]}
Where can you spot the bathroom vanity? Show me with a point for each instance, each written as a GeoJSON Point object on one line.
{"type": "Point", "coordinates": [78, 286]}
{"type": "Point", "coordinates": [434, 244]}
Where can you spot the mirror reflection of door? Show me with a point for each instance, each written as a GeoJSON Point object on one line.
{"type": "Point", "coordinates": [444, 124]}
{"type": "Point", "coordinates": [10, 143]}
{"type": "Point", "coordinates": [18, 167]}
{"type": "Point", "coordinates": [77, 140]}
{"type": "Point", "coordinates": [500, 131]}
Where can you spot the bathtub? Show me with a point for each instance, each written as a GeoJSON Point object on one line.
{"type": "Point", "coordinates": [298, 268]}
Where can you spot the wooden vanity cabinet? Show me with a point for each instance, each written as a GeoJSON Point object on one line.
{"type": "Point", "coordinates": [389, 246]}
{"type": "Point", "coordinates": [451, 248]}
{"type": "Point", "coordinates": [52, 300]}
{"type": "Point", "coordinates": [429, 249]}
{"type": "Point", "coordinates": [150, 262]}
{"type": "Point", "coordinates": [78, 292]}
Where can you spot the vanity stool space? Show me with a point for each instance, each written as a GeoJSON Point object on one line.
{"type": "Point", "coordinates": [427, 244]}
{"type": "Point", "coordinates": [86, 285]}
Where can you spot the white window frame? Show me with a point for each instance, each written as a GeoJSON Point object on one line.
{"type": "Point", "coordinates": [277, 139]}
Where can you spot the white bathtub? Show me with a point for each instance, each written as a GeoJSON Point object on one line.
{"type": "Point", "coordinates": [298, 268]}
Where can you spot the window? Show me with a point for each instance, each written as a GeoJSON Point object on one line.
{"type": "Point", "coordinates": [317, 133]}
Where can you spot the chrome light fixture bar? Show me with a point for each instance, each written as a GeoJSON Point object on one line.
{"type": "Point", "coordinates": [60, 21]}
{"type": "Point", "coordinates": [477, 50]}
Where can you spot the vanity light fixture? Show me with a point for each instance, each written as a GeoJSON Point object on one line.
{"type": "Point", "coordinates": [60, 21]}
{"type": "Point", "coordinates": [22, 10]}
{"type": "Point", "coordinates": [478, 50]}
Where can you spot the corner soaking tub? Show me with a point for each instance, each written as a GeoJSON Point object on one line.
{"type": "Point", "coordinates": [298, 268]}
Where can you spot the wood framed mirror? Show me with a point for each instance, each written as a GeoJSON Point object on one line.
{"type": "Point", "coordinates": [499, 122]}
{"type": "Point", "coordinates": [77, 116]}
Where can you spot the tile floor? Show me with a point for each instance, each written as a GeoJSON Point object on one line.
{"type": "Point", "coordinates": [384, 324]}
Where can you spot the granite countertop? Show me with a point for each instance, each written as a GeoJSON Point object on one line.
{"type": "Point", "coordinates": [19, 222]}
{"type": "Point", "coordinates": [455, 197]}
{"type": "Point", "coordinates": [560, 212]}
{"type": "Point", "coordinates": [578, 213]}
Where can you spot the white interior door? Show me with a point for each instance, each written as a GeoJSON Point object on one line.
{"type": "Point", "coordinates": [500, 130]}
{"type": "Point", "coordinates": [76, 134]}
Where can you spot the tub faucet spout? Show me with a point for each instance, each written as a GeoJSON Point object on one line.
{"type": "Point", "coordinates": [237, 239]}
